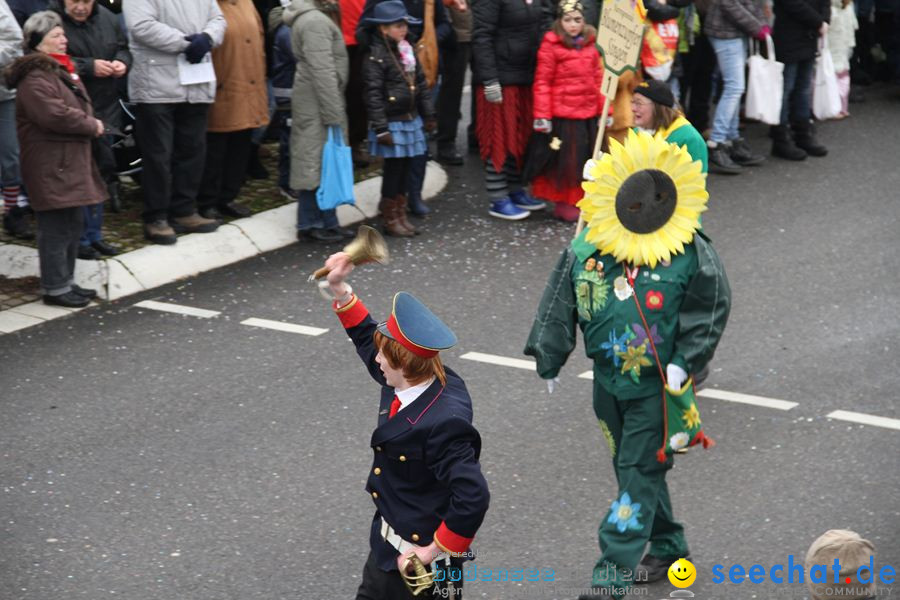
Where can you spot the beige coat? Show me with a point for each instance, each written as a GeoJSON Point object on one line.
{"type": "Point", "coordinates": [319, 83]}
{"type": "Point", "coordinates": [240, 63]}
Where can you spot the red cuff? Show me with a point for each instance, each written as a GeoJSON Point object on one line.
{"type": "Point", "coordinates": [451, 542]}
{"type": "Point", "coordinates": [353, 313]}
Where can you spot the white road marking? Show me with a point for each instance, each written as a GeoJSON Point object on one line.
{"type": "Point", "coordinates": [503, 361]}
{"type": "Point", "coordinates": [178, 309]}
{"type": "Point", "coordinates": [282, 326]}
{"type": "Point", "coordinates": [855, 417]}
{"type": "Point", "coordinates": [731, 396]}
{"type": "Point", "coordinates": [747, 399]}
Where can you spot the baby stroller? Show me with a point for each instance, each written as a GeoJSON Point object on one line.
{"type": "Point", "coordinates": [126, 151]}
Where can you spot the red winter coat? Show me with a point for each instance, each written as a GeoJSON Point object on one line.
{"type": "Point", "coordinates": [567, 80]}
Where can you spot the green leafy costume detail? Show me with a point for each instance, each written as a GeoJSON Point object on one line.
{"type": "Point", "coordinates": [591, 294]}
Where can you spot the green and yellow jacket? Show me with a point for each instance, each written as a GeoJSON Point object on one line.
{"type": "Point", "coordinates": [686, 305]}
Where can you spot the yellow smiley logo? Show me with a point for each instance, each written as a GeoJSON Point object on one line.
{"type": "Point", "coordinates": [682, 573]}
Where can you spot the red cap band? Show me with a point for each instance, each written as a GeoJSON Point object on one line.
{"type": "Point", "coordinates": [404, 341]}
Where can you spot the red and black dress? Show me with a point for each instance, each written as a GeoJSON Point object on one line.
{"type": "Point", "coordinates": [505, 38]}
{"type": "Point", "coordinates": [567, 92]}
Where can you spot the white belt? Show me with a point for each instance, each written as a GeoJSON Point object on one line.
{"type": "Point", "coordinates": [401, 545]}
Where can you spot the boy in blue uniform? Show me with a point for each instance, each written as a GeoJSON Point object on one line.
{"type": "Point", "coordinates": [430, 496]}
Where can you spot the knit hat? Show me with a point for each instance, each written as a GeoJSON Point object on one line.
{"type": "Point", "coordinates": [657, 91]}
{"type": "Point", "coordinates": [852, 552]}
{"type": "Point", "coordinates": [37, 27]}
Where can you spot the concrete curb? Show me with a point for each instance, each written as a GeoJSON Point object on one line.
{"type": "Point", "coordinates": [153, 266]}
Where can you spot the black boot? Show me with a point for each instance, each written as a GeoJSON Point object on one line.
{"type": "Point", "coordinates": [805, 138]}
{"type": "Point", "coordinates": [115, 203]}
{"type": "Point", "coordinates": [783, 143]}
{"type": "Point", "coordinates": [17, 223]}
{"type": "Point", "coordinates": [720, 160]}
{"type": "Point", "coordinates": [255, 168]}
{"type": "Point", "coordinates": [743, 155]}
{"type": "Point", "coordinates": [417, 206]}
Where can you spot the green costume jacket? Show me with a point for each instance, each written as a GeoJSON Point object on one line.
{"type": "Point", "coordinates": [686, 305]}
{"type": "Point", "coordinates": [683, 134]}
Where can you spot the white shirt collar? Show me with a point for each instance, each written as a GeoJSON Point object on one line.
{"type": "Point", "coordinates": [408, 395]}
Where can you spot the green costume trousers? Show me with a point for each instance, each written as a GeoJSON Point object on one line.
{"type": "Point", "coordinates": [643, 511]}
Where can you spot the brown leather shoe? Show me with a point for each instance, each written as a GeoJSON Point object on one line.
{"type": "Point", "coordinates": [400, 199]}
{"type": "Point", "coordinates": [159, 232]}
{"type": "Point", "coordinates": [194, 224]}
{"type": "Point", "coordinates": [390, 219]}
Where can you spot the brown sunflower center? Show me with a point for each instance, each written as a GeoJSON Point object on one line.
{"type": "Point", "coordinates": [646, 201]}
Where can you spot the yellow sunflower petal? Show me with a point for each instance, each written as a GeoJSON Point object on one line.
{"type": "Point", "coordinates": [643, 151]}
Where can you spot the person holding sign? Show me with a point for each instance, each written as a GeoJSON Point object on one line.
{"type": "Point", "coordinates": [567, 105]}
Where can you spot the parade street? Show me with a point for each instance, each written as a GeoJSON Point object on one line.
{"type": "Point", "coordinates": [147, 454]}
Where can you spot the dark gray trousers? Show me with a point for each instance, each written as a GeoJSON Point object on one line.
{"type": "Point", "coordinates": [58, 232]}
{"type": "Point", "coordinates": [172, 138]}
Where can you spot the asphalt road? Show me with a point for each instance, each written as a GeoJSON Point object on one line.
{"type": "Point", "coordinates": [150, 455]}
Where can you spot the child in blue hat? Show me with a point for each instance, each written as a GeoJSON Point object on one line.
{"type": "Point", "coordinates": [397, 100]}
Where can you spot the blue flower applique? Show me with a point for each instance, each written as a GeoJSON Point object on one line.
{"type": "Point", "coordinates": [641, 337]}
{"type": "Point", "coordinates": [624, 515]}
{"type": "Point", "coordinates": [614, 346]}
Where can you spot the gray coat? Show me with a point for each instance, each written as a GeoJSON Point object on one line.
{"type": "Point", "coordinates": [317, 100]}
{"type": "Point", "coordinates": [10, 46]}
{"type": "Point", "coordinates": [157, 29]}
{"type": "Point", "coordinates": [729, 19]}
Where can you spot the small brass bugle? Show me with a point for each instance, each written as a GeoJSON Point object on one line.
{"type": "Point", "coordinates": [368, 246]}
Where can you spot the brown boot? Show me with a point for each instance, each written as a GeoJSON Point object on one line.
{"type": "Point", "coordinates": [400, 199]}
{"type": "Point", "coordinates": [392, 224]}
{"type": "Point", "coordinates": [194, 224]}
{"type": "Point", "coordinates": [159, 232]}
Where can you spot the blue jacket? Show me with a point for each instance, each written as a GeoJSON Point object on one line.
{"type": "Point", "coordinates": [23, 9]}
{"type": "Point", "coordinates": [425, 480]}
{"type": "Point", "coordinates": [283, 64]}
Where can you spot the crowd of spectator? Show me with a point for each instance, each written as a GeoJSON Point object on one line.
{"type": "Point", "coordinates": [204, 81]}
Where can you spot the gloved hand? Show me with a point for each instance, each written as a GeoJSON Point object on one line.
{"type": "Point", "coordinates": [543, 125]}
{"type": "Point", "coordinates": [676, 377]}
{"type": "Point", "coordinates": [201, 43]}
{"type": "Point", "coordinates": [493, 93]}
{"type": "Point", "coordinates": [763, 33]}
{"type": "Point", "coordinates": [588, 169]}
{"type": "Point", "coordinates": [385, 138]}
{"type": "Point", "coordinates": [551, 384]}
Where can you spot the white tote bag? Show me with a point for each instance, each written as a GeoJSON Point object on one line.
{"type": "Point", "coordinates": [826, 95]}
{"type": "Point", "coordinates": [765, 86]}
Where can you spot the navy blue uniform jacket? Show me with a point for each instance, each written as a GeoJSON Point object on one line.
{"type": "Point", "coordinates": [425, 479]}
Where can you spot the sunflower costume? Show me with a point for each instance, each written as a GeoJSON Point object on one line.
{"type": "Point", "coordinates": [642, 246]}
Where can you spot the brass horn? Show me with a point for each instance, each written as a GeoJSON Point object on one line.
{"type": "Point", "coordinates": [368, 246]}
{"type": "Point", "coordinates": [420, 580]}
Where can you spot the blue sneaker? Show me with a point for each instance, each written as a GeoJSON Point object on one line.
{"type": "Point", "coordinates": [505, 209]}
{"type": "Point", "coordinates": [522, 200]}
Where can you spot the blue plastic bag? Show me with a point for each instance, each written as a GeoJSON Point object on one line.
{"type": "Point", "coordinates": [336, 184]}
